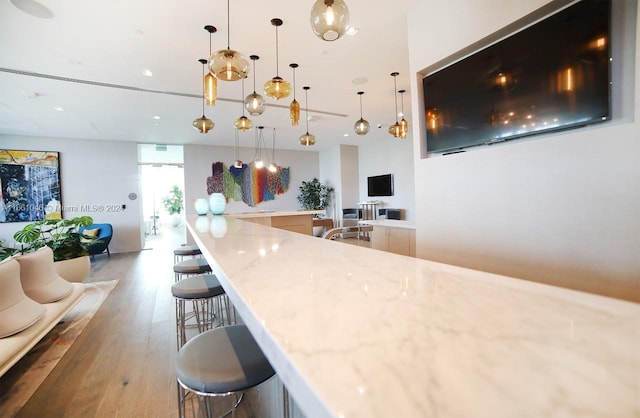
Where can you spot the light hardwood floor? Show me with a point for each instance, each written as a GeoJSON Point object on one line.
{"type": "Point", "coordinates": [122, 364]}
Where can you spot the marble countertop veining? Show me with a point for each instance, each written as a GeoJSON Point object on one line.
{"type": "Point", "coordinates": [354, 332]}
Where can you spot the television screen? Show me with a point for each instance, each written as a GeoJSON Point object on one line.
{"type": "Point", "coordinates": [552, 75]}
{"type": "Point", "coordinates": [380, 185]}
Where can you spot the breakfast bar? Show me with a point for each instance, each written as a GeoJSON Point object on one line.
{"type": "Point", "coordinates": [357, 332]}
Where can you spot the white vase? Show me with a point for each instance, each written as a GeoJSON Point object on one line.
{"type": "Point", "coordinates": [201, 206]}
{"type": "Point", "coordinates": [217, 203]}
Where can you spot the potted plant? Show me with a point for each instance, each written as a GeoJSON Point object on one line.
{"type": "Point", "coordinates": [314, 195]}
{"type": "Point", "coordinates": [6, 252]}
{"type": "Point", "coordinates": [61, 235]}
{"type": "Point", "coordinates": [173, 204]}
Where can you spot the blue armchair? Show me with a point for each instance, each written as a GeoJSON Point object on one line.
{"type": "Point", "coordinates": [97, 242]}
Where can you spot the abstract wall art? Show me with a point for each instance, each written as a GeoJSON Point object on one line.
{"type": "Point", "coordinates": [248, 184]}
{"type": "Point", "coordinates": [29, 186]}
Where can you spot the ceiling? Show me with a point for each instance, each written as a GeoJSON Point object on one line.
{"type": "Point", "coordinates": [78, 71]}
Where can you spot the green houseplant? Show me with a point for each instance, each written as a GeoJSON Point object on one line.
{"type": "Point", "coordinates": [173, 202]}
{"type": "Point", "coordinates": [61, 235]}
{"type": "Point", "coordinates": [314, 195]}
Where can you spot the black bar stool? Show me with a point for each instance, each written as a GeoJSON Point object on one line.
{"type": "Point", "coordinates": [183, 251]}
{"type": "Point", "coordinates": [220, 362]}
{"type": "Point", "coordinates": [191, 267]}
{"type": "Point", "coordinates": [210, 305]}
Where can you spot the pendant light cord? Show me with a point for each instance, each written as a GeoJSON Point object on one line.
{"type": "Point", "coordinates": [277, 67]}
{"type": "Point", "coordinates": [360, 106]}
{"type": "Point", "coordinates": [294, 82]}
{"type": "Point", "coordinates": [273, 146]}
{"type": "Point", "coordinates": [306, 111]}
{"type": "Point", "coordinates": [237, 145]}
{"type": "Point", "coordinates": [228, 27]}
{"type": "Point", "coordinates": [242, 98]}
{"type": "Point", "coordinates": [395, 95]}
{"type": "Point", "coordinates": [204, 91]}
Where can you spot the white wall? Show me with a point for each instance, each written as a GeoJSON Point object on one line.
{"type": "Point", "coordinates": [559, 208]}
{"type": "Point", "coordinates": [100, 173]}
{"type": "Point", "coordinates": [197, 167]}
{"type": "Point", "coordinates": [381, 153]}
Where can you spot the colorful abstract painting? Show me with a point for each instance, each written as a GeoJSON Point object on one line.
{"type": "Point", "coordinates": [29, 186]}
{"type": "Point", "coordinates": [248, 184]}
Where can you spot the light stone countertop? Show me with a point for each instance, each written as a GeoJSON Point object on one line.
{"type": "Point", "coordinates": [395, 223]}
{"type": "Point", "coordinates": [360, 333]}
{"type": "Point", "coordinates": [259, 214]}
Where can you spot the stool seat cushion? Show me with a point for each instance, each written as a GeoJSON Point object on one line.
{"type": "Point", "coordinates": [187, 250]}
{"type": "Point", "coordinates": [222, 360]}
{"type": "Point", "coordinates": [192, 266]}
{"type": "Point", "coordinates": [197, 287]}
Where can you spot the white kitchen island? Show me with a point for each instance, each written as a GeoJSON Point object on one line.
{"type": "Point", "coordinates": [354, 332]}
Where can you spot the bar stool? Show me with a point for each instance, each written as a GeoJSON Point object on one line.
{"type": "Point", "coordinates": [185, 251]}
{"type": "Point", "coordinates": [191, 267]}
{"type": "Point", "coordinates": [220, 362]}
{"type": "Point", "coordinates": [210, 305]}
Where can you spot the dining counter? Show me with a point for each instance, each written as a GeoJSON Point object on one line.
{"type": "Point", "coordinates": [356, 332]}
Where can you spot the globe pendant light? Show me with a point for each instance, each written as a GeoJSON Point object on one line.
{"type": "Point", "coordinates": [243, 123]}
{"type": "Point", "coordinates": [404, 125]}
{"type": "Point", "coordinates": [395, 129]}
{"type": "Point", "coordinates": [238, 162]}
{"type": "Point", "coordinates": [227, 64]}
{"type": "Point", "coordinates": [277, 87]}
{"type": "Point", "coordinates": [210, 82]}
{"type": "Point", "coordinates": [257, 161]}
{"type": "Point", "coordinates": [362, 126]}
{"type": "Point", "coordinates": [329, 19]}
{"type": "Point", "coordinates": [307, 139]}
{"type": "Point", "coordinates": [273, 167]}
{"type": "Point", "coordinates": [294, 107]}
{"type": "Point", "coordinates": [254, 102]}
{"type": "Point", "coordinates": [203, 124]}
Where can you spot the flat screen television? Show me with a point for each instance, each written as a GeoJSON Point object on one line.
{"type": "Point", "coordinates": [380, 185]}
{"type": "Point", "coordinates": [552, 75]}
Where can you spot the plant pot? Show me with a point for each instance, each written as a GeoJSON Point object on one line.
{"type": "Point", "coordinates": [74, 269]}
{"type": "Point", "coordinates": [176, 218]}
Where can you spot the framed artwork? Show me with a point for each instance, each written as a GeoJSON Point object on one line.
{"type": "Point", "coordinates": [29, 186]}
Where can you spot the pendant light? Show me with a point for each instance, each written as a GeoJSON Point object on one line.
{"type": "Point", "coordinates": [329, 19]}
{"type": "Point", "coordinates": [254, 102]}
{"type": "Point", "coordinates": [362, 126]}
{"type": "Point", "coordinates": [243, 123]}
{"type": "Point", "coordinates": [203, 124]}
{"type": "Point", "coordinates": [307, 139]}
{"type": "Point", "coordinates": [227, 64]}
{"type": "Point", "coordinates": [238, 162]}
{"type": "Point", "coordinates": [273, 167]}
{"type": "Point", "coordinates": [210, 82]}
{"type": "Point", "coordinates": [294, 107]}
{"type": "Point", "coordinates": [257, 161]}
{"type": "Point", "coordinates": [395, 128]}
{"type": "Point", "coordinates": [277, 87]}
{"type": "Point", "coordinates": [404, 125]}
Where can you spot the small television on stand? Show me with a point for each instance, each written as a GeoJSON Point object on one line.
{"type": "Point", "coordinates": [381, 185]}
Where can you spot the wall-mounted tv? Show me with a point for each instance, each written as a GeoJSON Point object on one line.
{"type": "Point", "coordinates": [380, 185]}
{"type": "Point", "coordinates": [552, 75]}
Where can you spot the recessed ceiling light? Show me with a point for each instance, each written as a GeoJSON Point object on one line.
{"type": "Point", "coordinates": [352, 31]}
{"type": "Point", "coordinates": [346, 135]}
{"type": "Point", "coordinates": [156, 117]}
{"type": "Point", "coordinates": [58, 108]}
{"type": "Point", "coordinates": [359, 80]}
{"type": "Point", "coordinates": [147, 73]}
